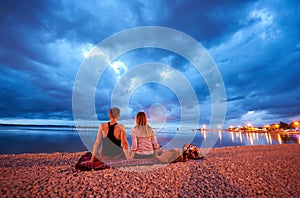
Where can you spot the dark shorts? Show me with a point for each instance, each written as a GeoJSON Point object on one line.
{"type": "Point", "coordinates": [139, 156]}
{"type": "Point", "coordinates": [113, 157]}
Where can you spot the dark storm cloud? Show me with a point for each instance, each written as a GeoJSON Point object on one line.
{"type": "Point", "coordinates": [207, 21]}
{"type": "Point", "coordinates": [261, 62]}
{"type": "Point", "coordinates": [255, 44]}
{"type": "Point", "coordinates": [23, 32]}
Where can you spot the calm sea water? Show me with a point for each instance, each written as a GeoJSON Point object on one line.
{"type": "Point", "coordinates": [32, 139]}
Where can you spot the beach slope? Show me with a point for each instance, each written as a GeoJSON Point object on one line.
{"type": "Point", "coordinates": [246, 171]}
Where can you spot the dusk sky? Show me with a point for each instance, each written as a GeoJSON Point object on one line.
{"type": "Point", "coordinates": [254, 44]}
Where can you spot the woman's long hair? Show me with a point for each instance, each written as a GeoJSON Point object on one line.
{"type": "Point", "coordinates": [142, 123]}
{"type": "Point", "coordinates": [141, 119]}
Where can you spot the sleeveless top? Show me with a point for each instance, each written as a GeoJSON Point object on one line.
{"type": "Point", "coordinates": [111, 146]}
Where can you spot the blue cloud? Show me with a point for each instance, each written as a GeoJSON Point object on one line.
{"type": "Point", "coordinates": [255, 44]}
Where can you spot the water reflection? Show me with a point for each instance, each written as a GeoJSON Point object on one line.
{"type": "Point", "coordinates": [32, 139]}
{"type": "Point", "coordinates": [254, 138]}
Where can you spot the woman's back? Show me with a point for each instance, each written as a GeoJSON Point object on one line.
{"type": "Point", "coordinates": [143, 140]}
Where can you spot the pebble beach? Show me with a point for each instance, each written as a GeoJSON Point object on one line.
{"type": "Point", "coordinates": [242, 171]}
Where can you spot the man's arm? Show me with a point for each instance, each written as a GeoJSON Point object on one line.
{"type": "Point", "coordinates": [97, 143]}
{"type": "Point", "coordinates": [124, 141]}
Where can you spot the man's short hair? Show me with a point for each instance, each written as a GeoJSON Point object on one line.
{"type": "Point", "coordinates": [114, 112]}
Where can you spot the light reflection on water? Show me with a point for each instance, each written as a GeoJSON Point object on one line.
{"type": "Point", "coordinates": [31, 139]}
{"type": "Point", "coordinates": [255, 138]}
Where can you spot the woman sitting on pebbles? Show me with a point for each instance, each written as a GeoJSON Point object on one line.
{"type": "Point", "coordinates": [112, 136]}
{"type": "Point", "coordinates": [144, 142]}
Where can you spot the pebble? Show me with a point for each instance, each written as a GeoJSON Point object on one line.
{"type": "Point", "coordinates": [250, 171]}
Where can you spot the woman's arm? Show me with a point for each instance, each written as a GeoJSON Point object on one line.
{"type": "Point", "coordinates": [154, 143]}
{"type": "Point", "coordinates": [97, 143]}
{"type": "Point", "coordinates": [133, 142]}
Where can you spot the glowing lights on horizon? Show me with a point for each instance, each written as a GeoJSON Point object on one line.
{"type": "Point", "coordinates": [296, 124]}
{"type": "Point", "coordinates": [293, 126]}
{"type": "Point", "coordinates": [267, 134]}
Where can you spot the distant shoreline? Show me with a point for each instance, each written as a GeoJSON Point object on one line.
{"type": "Point", "coordinates": [201, 130]}
{"type": "Point", "coordinates": [44, 125]}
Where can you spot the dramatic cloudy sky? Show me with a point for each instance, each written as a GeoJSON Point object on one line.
{"type": "Point", "coordinates": [254, 44]}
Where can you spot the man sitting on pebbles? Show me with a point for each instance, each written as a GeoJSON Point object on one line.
{"type": "Point", "coordinates": [112, 136]}
{"type": "Point", "coordinates": [114, 152]}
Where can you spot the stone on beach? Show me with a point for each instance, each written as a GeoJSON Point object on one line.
{"type": "Point", "coordinates": [246, 171]}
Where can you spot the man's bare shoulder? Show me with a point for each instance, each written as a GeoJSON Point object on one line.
{"type": "Point", "coordinates": [104, 125]}
{"type": "Point", "coordinates": [121, 126]}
